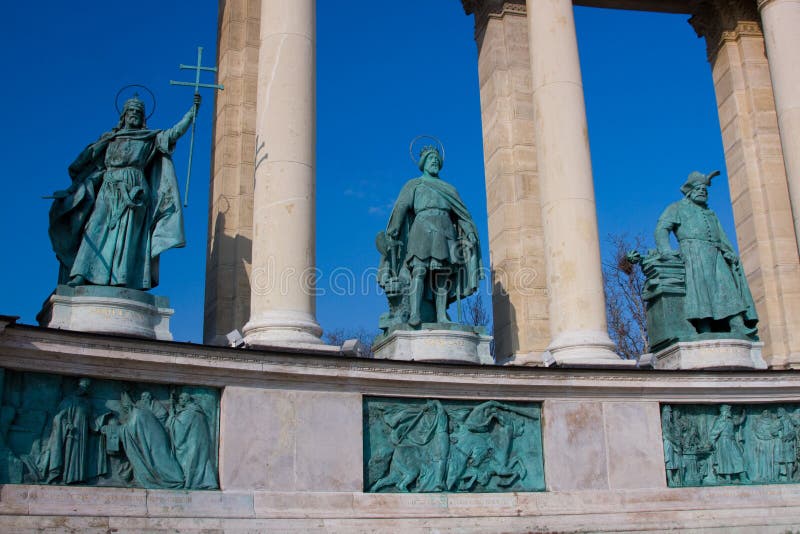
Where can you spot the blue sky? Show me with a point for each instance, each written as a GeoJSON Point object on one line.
{"type": "Point", "coordinates": [384, 75]}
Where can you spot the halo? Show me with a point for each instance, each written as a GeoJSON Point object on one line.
{"type": "Point", "coordinates": [152, 97]}
{"type": "Point", "coordinates": [414, 146]}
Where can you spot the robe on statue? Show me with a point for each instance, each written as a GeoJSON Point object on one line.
{"type": "Point", "coordinates": [67, 456]}
{"type": "Point", "coordinates": [429, 215]}
{"type": "Point", "coordinates": [149, 451]}
{"type": "Point", "coordinates": [191, 440]}
{"type": "Point", "coordinates": [715, 289]}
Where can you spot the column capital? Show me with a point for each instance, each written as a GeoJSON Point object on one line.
{"type": "Point", "coordinates": [493, 7]}
{"type": "Point", "coordinates": [719, 21]}
{"type": "Point", "coordinates": [763, 3]}
{"type": "Point", "coordinates": [484, 10]}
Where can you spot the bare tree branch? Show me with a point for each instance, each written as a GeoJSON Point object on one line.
{"type": "Point", "coordinates": [623, 283]}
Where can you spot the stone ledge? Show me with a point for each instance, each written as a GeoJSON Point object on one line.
{"type": "Point", "coordinates": [72, 353]}
{"type": "Point", "coordinates": [728, 521]}
{"type": "Point", "coordinates": [122, 502]}
{"type": "Point", "coordinates": [765, 509]}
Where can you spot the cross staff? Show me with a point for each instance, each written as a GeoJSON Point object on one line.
{"type": "Point", "coordinates": [197, 85]}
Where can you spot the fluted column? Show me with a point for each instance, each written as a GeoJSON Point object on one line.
{"type": "Point", "coordinates": [780, 20]}
{"type": "Point", "coordinates": [572, 250]}
{"type": "Point", "coordinates": [282, 302]}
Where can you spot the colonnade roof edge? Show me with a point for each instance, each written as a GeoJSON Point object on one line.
{"type": "Point", "coordinates": [663, 6]}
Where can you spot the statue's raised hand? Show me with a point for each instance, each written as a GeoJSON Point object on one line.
{"type": "Point", "coordinates": [197, 100]}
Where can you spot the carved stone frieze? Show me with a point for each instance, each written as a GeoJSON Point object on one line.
{"type": "Point", "coordinates": [712, 445]}
{"type": "Point", "coordinates": [430, 445]}
{"type": "Point", "coordinates": [67, 430]}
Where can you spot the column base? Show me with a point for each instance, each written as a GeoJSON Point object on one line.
{"type": "Point", "coordinates": [282, 328]}
{"type": "Point", "coordinates": [583, 348]}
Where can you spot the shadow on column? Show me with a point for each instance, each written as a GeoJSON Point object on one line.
{"type": "Point", "coordinates": [227, 298]}
{"type": "Point", "coordinates": [506, 328]}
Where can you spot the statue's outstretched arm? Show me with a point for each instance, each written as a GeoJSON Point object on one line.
{"type": "Point", "coordinates": [174, 133]}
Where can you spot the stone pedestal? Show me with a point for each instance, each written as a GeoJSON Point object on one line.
{"type": "Point", "coordinates": [107, 310]}
{"type": "Point", "coordinates": [710, 354]}
{"type": "Point", "coordinates": [462, 345]}
{"type": "Point", "coordinates": [292, 444]}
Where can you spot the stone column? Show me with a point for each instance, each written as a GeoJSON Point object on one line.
{"type": "Point", "coordinates": [227, 295]}
{"type": "Point", "coordinates": [516, 236]}
{"type": "Point", "coordinates": [572, 249]}
{"type": "Point", "coordinates": [756, 174]}
{"type": "Point", "coordinates": [781, 24]}
{"type": "Point", "coordinates": [282, 301]}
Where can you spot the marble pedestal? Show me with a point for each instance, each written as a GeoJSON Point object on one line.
{"type": "Point", "coordinates": [709, 354]}
{"type": "Point", "coordinates": [292, 442]}
{"type": "Point", "coordinates": [107, 310]}
{"type": "Point", "coordinates": [459, 344]}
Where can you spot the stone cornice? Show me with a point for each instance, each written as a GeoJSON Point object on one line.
{"type": "Point", "coordinates": [484, 10]}
{"type": "Point", "coordinates": [36, 349]}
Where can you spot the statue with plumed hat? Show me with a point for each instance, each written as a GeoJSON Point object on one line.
{"type": "Point", "coordinates": [699, 291]}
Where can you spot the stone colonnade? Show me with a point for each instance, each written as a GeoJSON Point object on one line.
{"type": "Point", "coordinates": [539, 180]}
{"type": "Point", "coordinates": [757, 170]}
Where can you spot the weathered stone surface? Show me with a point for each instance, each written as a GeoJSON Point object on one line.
{"type": "Point", "coordinates": [328, 442]}
{"type": "Point", "coordinates": [633, 445]}
{"type": "Point", "coordinates": [66, 500]}
{"type": "Point", "coordinates": [199, 504]}
{"type": "Point", "coordinates": [574, 446]}
{"type": "Point", "coordinates": [304, 447]}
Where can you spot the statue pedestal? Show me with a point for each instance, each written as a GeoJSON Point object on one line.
{"type": "Point", "coordinates": [710, 354]}
{"type": "Point", "coordinates": [436, 343]}
{"type": "Point", "coordinates": [107, 310]}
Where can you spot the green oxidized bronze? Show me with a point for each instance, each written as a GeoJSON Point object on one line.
{"type": "Point", "coordinates": [699, 291]}
{"type": "Point", "coordinates": [708, 445]}
{"type": "Point", "coordinates": [430, 252]}
{"type": "Point", "coordinates": [122, 209]}
{"type": "Point", "coordinates": [427, 445]}
{"type": "Point", "coordinates": [63, 430]}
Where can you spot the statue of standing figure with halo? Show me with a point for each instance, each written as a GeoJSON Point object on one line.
{"type": "Point", "coordinates": [108, 229]}
{"type": "Point", "coordinates": [122, 209]}
{"type": "Point", "coordinates": [430, 252]}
